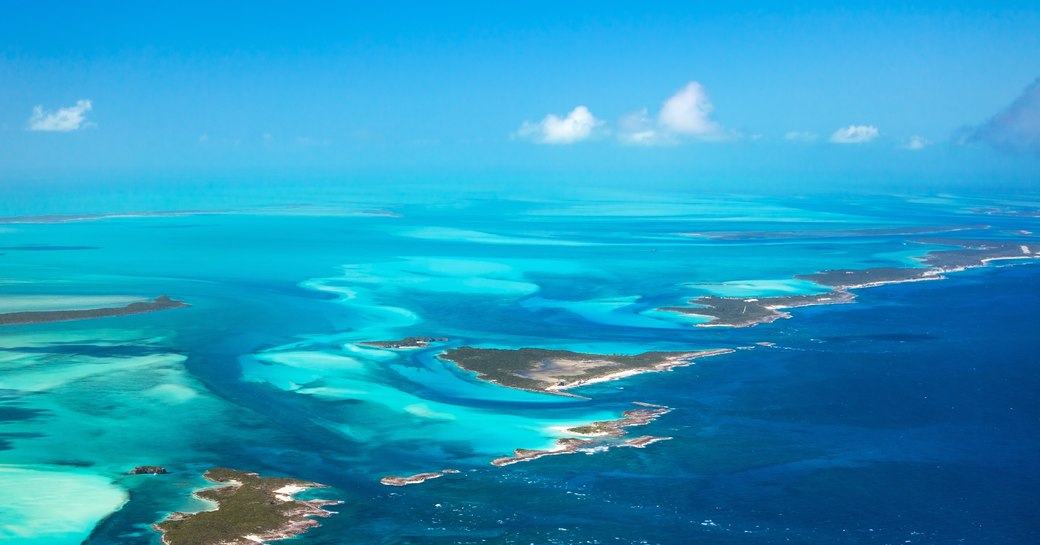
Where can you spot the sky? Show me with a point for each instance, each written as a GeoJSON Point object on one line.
{"type": "Point", "coordinates": [622, 93]}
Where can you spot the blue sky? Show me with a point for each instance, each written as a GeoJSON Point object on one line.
{"type": "Point", "coordinates": [667, 93]}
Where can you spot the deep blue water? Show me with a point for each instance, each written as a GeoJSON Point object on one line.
{"type": "Point", "coordinates": [900, 420]}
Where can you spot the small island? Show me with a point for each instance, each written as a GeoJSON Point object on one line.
{"type": "Point", "coordinates": [250, 509]}
{"type": "Point", "coordinates": [163, 302]}
{"type": "Point", "coordinates": [553, 371]}
{"type": "Point", "coordinates": [408, 343]}
{"type": "Point", "coordinates": [149, 470]}
{"type": "Point", "coordinates": [393, 480]}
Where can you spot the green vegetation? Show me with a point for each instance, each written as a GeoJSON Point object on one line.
{"type": "Point", "coordinates": [248, 505]}
{"type": "Point", "coordinates": [543, 370]}
{"type": "Point", "coordinates": [162, 302]}
{"type": "Point", "coordinates": [148, 470]}
{"type": "Point", "coordinates": [731, 311]}
{"type": "Point", "coordinates": [976, 253]}
{"type": "Point", "coordinates": [407, 342]}
{"type": "Point", "coordinates": [847, 278]}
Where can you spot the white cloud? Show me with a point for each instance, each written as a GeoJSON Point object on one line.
{"type": "Point", "coordinates": [688, 112]}
{"type": "Point", "coordinates": [579, 125]}
{"type": "Point", "coordinates": [800, 136]}
{"type": "Point", "coordinates": [855, 134]}
{"type": "Point", "coordinates": [916, 143]}
{"type": "Point", "coordinates": [64, 120]}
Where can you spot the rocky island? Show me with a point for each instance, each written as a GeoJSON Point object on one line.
{"type": "Point", "coordinates": [553, 371]}
{"type": "Point", "coordinates": [250, 509]}
{"type": "Point", "coordinates": [163, 302]}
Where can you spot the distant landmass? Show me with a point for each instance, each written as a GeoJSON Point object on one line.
{"type": "Point", "coordinates": [163, 302]}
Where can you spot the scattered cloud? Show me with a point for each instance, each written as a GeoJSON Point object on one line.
{"type": "Point", "coordinates": [1016, 128]}
{"type": "Point", "coordinates": [579, 125]}
{"type": "Point", "coordinates": [687, 113]}
{"type": "Point", "coordinates": [801, 136]}
{"type": "Point", "coordinates": [63, 120]}
{"type": "Point", "coordinates": [203, 138]}
{"type": "Point", "coordinates": [916, 143]}
{"type": "Point", "coordinates": [855, 134]}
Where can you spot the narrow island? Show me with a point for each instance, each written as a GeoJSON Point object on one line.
{"type": "Point", "coordinates": [408, 343]}
{"type": "Point", "coordinates": [250, 509]}
{"type": "Point", "coordinates": [393, 480]}
{"type": "Point", "coordinates": [598, 435]}
{"type": "Point", "coordinates": [553, 371]}
{"type": "Point", "coordinates": [163, 302]}
{"type": "Point", "coordinates": [750, 311]}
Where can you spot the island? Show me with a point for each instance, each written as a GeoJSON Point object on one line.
{"type": "Point", "coordinates": [744, 312]}
{"type": "Point", "coordinates": [597, 435]}
{"type": "Point", "coordinates": [393, 480]}
{"type": "Point", "coordinates": [163, 302]}
{"type": "Point", "coordinates": [407, 343]}
{"type": "Point", "coordinates": [149, 470]}
{"type": "Point", "coordinates": [250, 509]}
{"type": "Point", "coordinates": [553, 371]}
{"type": "Point", "coordinates": [750, 311]}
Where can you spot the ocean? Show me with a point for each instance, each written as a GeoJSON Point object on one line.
{"type": "Point", "coordinates": [909, 416]}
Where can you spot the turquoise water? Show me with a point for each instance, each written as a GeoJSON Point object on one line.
{"type": "Point", "coordinates": [263, 371]}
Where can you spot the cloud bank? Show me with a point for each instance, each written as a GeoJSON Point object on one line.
{"type": "Point", "coordinates": [63, 120]}
{"type": "Point", "coordinates": [1016, 128]}
{"type": "Point", "coordinates": [855, 134]}
{"type": "Point", "coordinates": [579, 125]}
